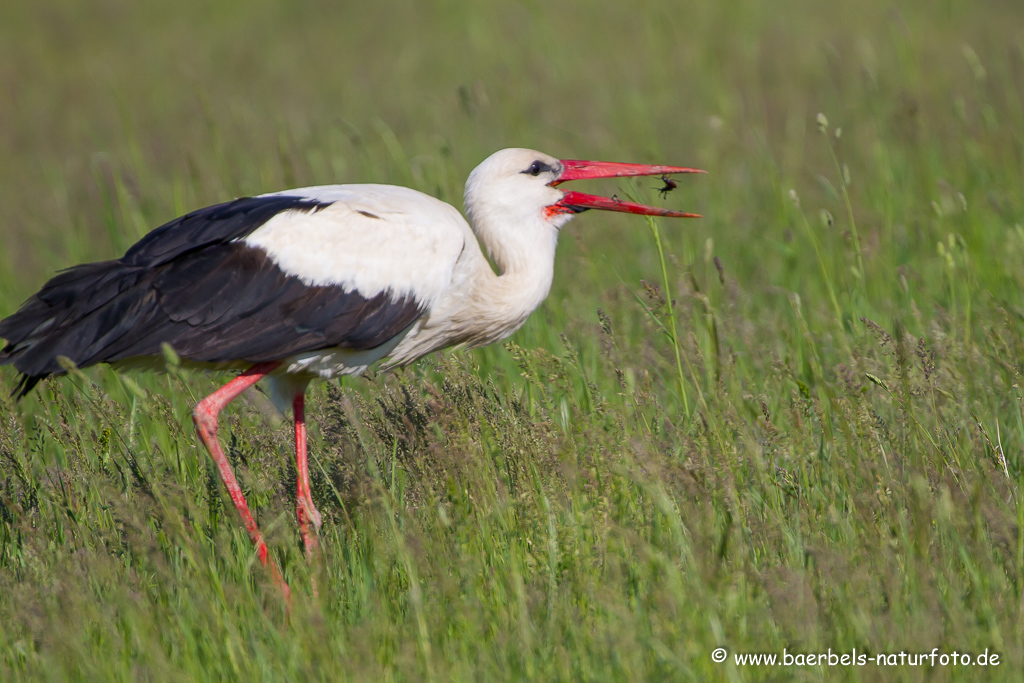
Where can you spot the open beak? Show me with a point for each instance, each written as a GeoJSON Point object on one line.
{"type": "Point", "coordinates": [583, 170]}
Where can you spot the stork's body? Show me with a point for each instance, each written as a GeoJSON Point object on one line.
{"type": "Point", "coordinates": [315, 282]}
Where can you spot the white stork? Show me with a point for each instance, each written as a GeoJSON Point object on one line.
{"type": "Point", "coordinates": [316, 282]}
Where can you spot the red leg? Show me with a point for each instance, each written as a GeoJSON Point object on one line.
{"type": "Point", "coordinates": [205, 417]}
{"type": "Point", "coordinates": [304, 508]}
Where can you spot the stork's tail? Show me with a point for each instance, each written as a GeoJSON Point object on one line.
{"type": "Point", "coordinates": [54, 322]}
{"type": "Point", "coordinates": [9, 355]}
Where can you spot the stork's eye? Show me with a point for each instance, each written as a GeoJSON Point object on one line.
{"type": "Point", "coordinates": [536, 168]}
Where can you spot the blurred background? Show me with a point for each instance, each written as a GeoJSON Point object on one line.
{"type": "Point", "coordinates": [813, 441]}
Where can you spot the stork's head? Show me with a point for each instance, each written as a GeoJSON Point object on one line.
{"type": "Point", "coordinates": [520, 187]}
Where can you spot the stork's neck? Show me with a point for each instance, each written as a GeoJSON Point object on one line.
{"type": "Point", "coordinates": [524, 254]}
{"type": "Point", "coordinates": [518, 248]}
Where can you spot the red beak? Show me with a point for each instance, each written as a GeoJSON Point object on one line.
{"type": "Point", "coordinates": [582, 170]}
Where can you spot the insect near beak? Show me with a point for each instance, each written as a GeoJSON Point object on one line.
{"type": "Point", "coordinates": [584, 170]}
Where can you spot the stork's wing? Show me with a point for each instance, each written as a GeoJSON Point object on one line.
{"type": "Point", "coordinates": [253, 280]}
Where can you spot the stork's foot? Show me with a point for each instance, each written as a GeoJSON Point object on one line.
{"type": "Point", "coordinates": [304, 508]}
{"type": "Point", "coordinates": [275, 571]}
{"type": "Point", "coordinates": [308, 514]}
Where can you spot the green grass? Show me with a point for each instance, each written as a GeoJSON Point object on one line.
{"type": "Point", "coordinates": [813, 441]}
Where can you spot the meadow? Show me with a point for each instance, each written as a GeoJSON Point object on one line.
{"type": "Point", "coordinates": [794, 424]}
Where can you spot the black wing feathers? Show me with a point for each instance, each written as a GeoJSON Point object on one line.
{"type": "Point", "coordinates": [192, 285]}
{"type": "Point", "coordinates": [217, 224]}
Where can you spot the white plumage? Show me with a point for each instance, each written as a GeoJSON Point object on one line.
{"type": "Point", "coordinates": [370, 238]}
